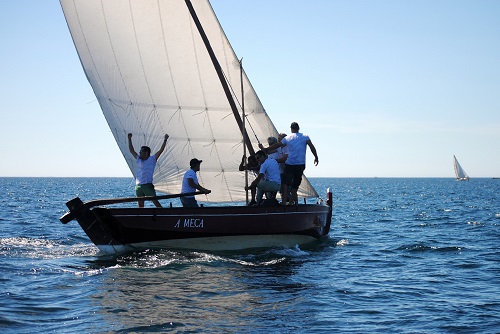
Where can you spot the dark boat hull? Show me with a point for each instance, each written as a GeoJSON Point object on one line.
{"type": "Point", "coordinates": [118, 230]}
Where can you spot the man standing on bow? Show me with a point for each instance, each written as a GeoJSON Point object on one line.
{"type": "Point", "coordinates": [146, 164]}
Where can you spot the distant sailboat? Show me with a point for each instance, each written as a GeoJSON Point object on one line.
{"type": "Point", "coordinates": [460, 174]}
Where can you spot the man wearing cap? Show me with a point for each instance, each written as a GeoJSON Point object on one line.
{"type": "Point", "coordinates": [190, 184]}
{"type": "Point", "coordinates": [296, 161]}
{"type": "Point", "coordinates": [145, 168]}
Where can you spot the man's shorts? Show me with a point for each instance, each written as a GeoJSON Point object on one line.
{"type": "Point", "coordinates": [292, 176]}
{"type": "Point", "coordinates": [147, 189]}
{"type": "Point", "coordinates": [265, 185]}
{"type": "Point", "coordinates": [189, 202]}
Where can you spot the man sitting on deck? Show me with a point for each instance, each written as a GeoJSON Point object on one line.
{"type": "Point", "coordinates": [252, 165]}
{"type": "Point", "coordinates": [268, 180]}
{"type": "Point", "coordinates": [190, 184]}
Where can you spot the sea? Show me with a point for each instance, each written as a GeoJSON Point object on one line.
{"type": "Point", "coordinates": [404, 255]}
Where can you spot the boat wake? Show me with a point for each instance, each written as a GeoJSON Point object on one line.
{"type": "Point", "coordinates": [181, 259]}
{"type": "Point", "coordinates": [34, 248]}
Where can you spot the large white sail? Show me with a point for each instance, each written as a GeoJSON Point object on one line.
{"type": "Point", "coordinates": [152, 75]}
{"type": "Point", "coordinates": [460, 174]}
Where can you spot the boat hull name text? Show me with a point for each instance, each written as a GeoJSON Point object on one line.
{"type": "Point", "coordinates": [189, 223]}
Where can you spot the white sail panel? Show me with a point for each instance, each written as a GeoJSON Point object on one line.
{"type": "Point", "coordinates": [152, 75]}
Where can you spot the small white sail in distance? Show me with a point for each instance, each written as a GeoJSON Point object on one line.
{"type": "Point", "coordinates": [460, 173]}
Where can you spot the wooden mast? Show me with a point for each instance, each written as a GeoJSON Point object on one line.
{"type": "Point", "coordinates": [244, 130]}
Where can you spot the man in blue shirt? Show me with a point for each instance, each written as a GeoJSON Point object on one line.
{"type": "Point", "coordinates": [269, 178]}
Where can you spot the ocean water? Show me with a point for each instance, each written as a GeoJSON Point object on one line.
{"type": "Point", "coordinates": [403, 256]}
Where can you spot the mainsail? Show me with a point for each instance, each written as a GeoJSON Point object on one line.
{"type": "Point", "coordinates": [152, 74]}
{"type": "Point", "coordinates": [460, 174]}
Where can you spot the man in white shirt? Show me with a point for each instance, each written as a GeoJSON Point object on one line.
{"type": "Point", "coordinates": [190, 184]}
{"type": "Point", "coordinates": [146, 164]}
{"type": "Point", "coordinates": [296, 161]}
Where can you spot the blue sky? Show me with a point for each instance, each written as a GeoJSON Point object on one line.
{"type": "Point", "coordinates": [383, 88]}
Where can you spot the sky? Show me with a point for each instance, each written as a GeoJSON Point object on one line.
{"type": "Point", "coordinates": [386, 88]}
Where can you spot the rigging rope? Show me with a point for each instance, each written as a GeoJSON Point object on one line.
{"type": "Point", "coordinates": [237, 100]}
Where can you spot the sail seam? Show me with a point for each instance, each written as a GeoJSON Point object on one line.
{"type": "Point", "coordinates": [115, 59]}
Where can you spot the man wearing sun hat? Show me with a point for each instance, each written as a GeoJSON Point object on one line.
{"type": "Point", "coordinates": [190, 184]}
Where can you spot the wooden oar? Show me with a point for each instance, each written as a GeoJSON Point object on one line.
{"type": "Point", "coordinates": [76, 206]}
{"type": "Point", "coordinates": [90, 204]}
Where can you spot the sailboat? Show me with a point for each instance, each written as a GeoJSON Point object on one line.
{"type": "Point", "coordinates": [460, 174]}
{"type": "Point", "coordinates": [166, 66]}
